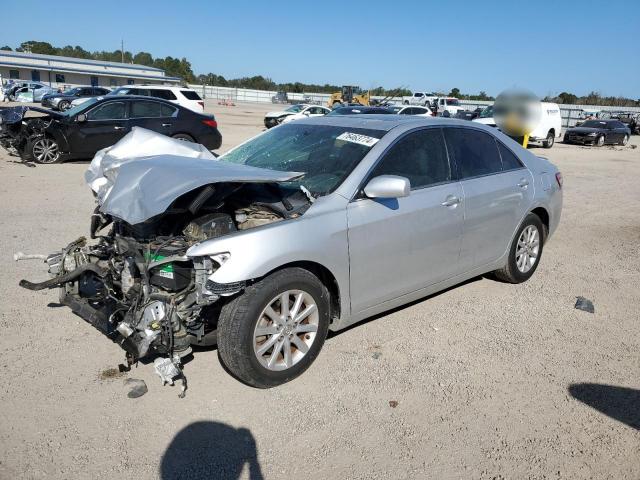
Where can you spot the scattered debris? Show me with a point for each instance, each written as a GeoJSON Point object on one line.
{"type": "Point", "coordinates": [168, 369]}
{"type": "Point", "coordinates": [393, 403]}
{"type": "Point", "coordinates": [435, 329]}
{"type": "Point", "coordinates": [376, 355]}
{"type": "Point", "coordinates": [138, 387]}
{"type": "Point", "coordinates": [23, 256]}
{"type": "Point", "coordinates": [584, 305]}
{"type": "Point", "coordinates": [110, 373]}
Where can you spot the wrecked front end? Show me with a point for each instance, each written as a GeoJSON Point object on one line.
{"type": "Point", "coordinates": [18, 132]}
{"type": "Point", "coordinates": [133, 280]}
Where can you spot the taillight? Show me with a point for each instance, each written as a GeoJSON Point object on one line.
{"type": "Point", "coordinates": [559, 179]}
{"type": "Point", "coordinates": [201, 104]}
{"type": "Point", "coordinates": [210, 123]}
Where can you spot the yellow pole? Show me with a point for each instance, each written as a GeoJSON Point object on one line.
{"type": "Point", "coordinates": [525, 140]}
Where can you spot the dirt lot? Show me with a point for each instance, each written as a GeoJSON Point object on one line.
{"type": "Point", "coordinates": [491, 380]}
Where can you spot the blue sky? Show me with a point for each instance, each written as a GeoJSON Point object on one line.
{"type": "Point", "coordinates": [546, 46]}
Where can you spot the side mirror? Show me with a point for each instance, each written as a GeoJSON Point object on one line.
{"type": "Point", "coordinates": [81, 118]}
{"type": "Point", "coordinates": [388, 186]}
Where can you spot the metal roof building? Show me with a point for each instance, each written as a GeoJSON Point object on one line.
{"type": "Point", "coordinates": [63, 71]}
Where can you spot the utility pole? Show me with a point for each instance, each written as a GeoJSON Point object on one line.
{"type": "Point", "coordinates": [122, 49]}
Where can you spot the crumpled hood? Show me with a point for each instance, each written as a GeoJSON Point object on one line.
{"type": "Point", "coordinates": [585, 130]}
{"type": "Point", "coordinates": [141, 175]}
{"type": "Point", "coordinates": [16, 114]}
{"type": "Point", "coordinates": [278, 114]}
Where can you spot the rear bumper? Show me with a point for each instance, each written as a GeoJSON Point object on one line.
{"type": "Point", "coordinates": [212, 140]}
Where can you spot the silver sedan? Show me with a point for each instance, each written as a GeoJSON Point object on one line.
{"type": "Point", "coordinates": [401, 208]}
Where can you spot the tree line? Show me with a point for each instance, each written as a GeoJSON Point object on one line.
{"type": "Point", "coordinates": [181, 67]}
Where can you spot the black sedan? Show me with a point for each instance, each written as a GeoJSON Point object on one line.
{"type": "Point", "coordinates": [100, 122]}
{"type": "Point", "coordinates": [598, 132]}
{"type": "Point", "coordinates": [62, 101]}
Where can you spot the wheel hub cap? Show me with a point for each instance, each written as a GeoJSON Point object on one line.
{"type": "Point", "coordinates": [528, 248]}
{"type": "Point", "coordinates": [286, 330]}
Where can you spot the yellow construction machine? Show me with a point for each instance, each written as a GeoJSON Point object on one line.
{"type": "Point", "coordinates": [347, 95]}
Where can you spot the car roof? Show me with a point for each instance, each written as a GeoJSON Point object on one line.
{"type": "Point", "coordinates": [136, 97]}
{"type": "Point", "coordinates": [385, 122]}
{"type": "Point", "coordinates": [152, 87]}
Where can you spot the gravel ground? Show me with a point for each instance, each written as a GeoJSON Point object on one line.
{"type": "Point", "coordinates": [485, 380]}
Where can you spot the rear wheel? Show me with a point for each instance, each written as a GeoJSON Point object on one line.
{"type": "Point", "coordinates": [274, 330]}
{"type": "Point", "coordinates": [336, 105]}
{"type": "Point", "coordinates": [550, 140]}
{"type": "Point", "coordinates": [63, 105]}
{"type": "Point", "coordinates": [45, 150]}
{"type": "Point", "coordinates": [184, 137]}
{"type": "Point", "coordinates": [525, 251]}
{"type": "Point", "coordinates": [625, 140]}
{"type": "Point", "coordinates": [406, 102]}
{"type": "Point", "coordinates": [600, 141]}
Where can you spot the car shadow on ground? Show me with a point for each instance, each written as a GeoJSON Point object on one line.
{"type": "Point", "coordinates": [211, 450]}
{"type": "Point", "coordinates": [619, 403]}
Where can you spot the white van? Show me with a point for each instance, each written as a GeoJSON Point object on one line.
{"type": "Point", "coordinates": [549, 128]}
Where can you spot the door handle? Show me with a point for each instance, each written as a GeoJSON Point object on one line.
{"type": "Point", "coordinates": [166, 124]}
{"type": "Point", "coordinates": [118, 128]}
{"type": "Point", "coordinates": [523, 183]}
{"type": "Point", "coordinates": [451, 201]}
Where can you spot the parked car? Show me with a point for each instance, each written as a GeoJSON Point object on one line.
{"type": "Point", "coordinates": [62, 101]}
{"type": "Point", "coordinates": [407, 110]}
{"type": "Point", "coordinates": [271, 119]}
{"type": "Point", "coordinates": [100, 122]}
{"type": "Point", "coordinates": [187, 97]}
{"type": "Point", "coordinates": [469, 114]}
{"type": "Point", "coordinates": [308, 227]}
{"type": "Point", "coordinates": [12, 90]}
{"type": "Point", "coordinates": [599, 133]}
{"type": "Point", "coordinates": [311, 111]}
{"type": "Point", "coordinates": [549, 127]}
{"type": "Point", "coordinates": [360, 110]}
{"type": "Point", "coordinates": [630, 119]}
{"type": "Point", "coordinates": [426, 99]}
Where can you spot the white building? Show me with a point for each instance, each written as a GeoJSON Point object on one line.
{"type": "Point", "coordinates": [65, 71]}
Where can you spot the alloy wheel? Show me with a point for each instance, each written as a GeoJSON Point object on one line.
{"type": "Point", "coordinates": [625, 140]}
{"type": "Point", "coordinates": [528, 248]}
{"type": "Point", "coordinates": [286, 330]}
{"type": "Point", "coordinates": [45, 150]}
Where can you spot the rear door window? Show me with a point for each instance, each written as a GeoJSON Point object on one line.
{"type": "Point", "coordinates": [190, 95]}
{"type": "Point", "coordinates": [164, 94]}
{"type": "Point", "coordinates": [475, 153]}
{"type": "Point", "coordinates": [420, 156]}
{"type": "Point", "coordinates": [108, 111]}
{"type": "Point", "coordinates": [142, 109]}
{"type": "Point", "coordinates": [509, 159]}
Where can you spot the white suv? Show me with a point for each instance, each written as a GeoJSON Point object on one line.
{"type": "Point", "coordinates": [184, 96]}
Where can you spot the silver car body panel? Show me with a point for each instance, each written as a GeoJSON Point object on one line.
{"type": "Point", "coordinates": [385, 253]}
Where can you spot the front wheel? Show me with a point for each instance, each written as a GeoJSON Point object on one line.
{"type": "Point", "coordinates": [600, 141]}
{"type": "Point", "coordinates": [184, 137]}
{"type": "Point", "coordinates": [525, 251]}
{"type": "Point", "coordinates": [625, 140]}
{"type": "Point", "coordinates": [274, 330]}
{"type": "Point", "coordinates": [64, 105]}
{"type": "Point", "coordinates": [549, 141]}
{"type": "Point", "coordinates": [45, 150]}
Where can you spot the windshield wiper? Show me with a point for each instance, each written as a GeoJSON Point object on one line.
{"type": "Point", "coordinates": [308, 194]}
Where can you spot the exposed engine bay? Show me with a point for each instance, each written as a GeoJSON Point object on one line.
{"type": "Point", "coordinates": [133, 280]}
{"type": "Point", "coordinates": [18, 132]}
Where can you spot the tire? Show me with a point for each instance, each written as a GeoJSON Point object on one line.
{"type": "Point", "coordinates": [550, 140]}
{"type": "Point", "coordinates": [336, 105]}
{"type": "Point", "coordinates": [63, 105]}
{"type": "Point", "coordinates": [512, 272]}
{"type": "Point", "coordinates": [599, 141]}
{"type": "Point", "coordinates": [240, 348]}
{"type": "Point", "coordinates": [183, 137]}
{"type": "Point", "coordinates": [45, 150]}
{"type": "Point", "coordinates": [625, 140]}
{"type": "Point", "coordinates": [406, 102]}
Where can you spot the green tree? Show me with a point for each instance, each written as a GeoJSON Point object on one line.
{"type": "Point", "coordinates": [6, 48]}
{"type": "Point", "coordinates": [455, 92]}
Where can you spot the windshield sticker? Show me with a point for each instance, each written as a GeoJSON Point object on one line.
{"type": "Point", "coordinates": [359, 139]}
